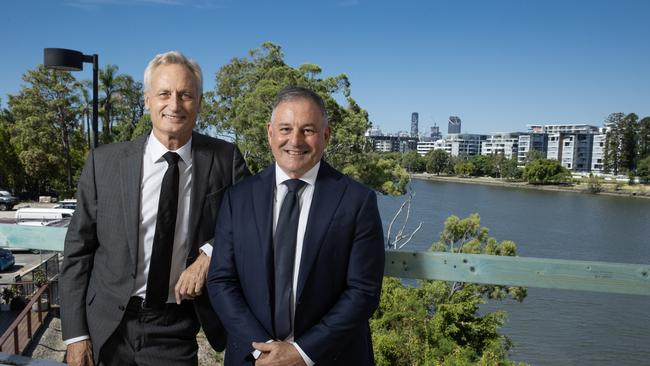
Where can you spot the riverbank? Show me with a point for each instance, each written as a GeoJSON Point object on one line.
{"type": "Point", "coordinates": [610, 189]}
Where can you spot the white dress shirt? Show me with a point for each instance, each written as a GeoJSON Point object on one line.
{"type": "Point", "coordinates": [154, 167]}
{"type": "Point", "coordinates": [305, 197]}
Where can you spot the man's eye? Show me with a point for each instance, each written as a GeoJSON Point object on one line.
{"type": "Point", "coordinates": [309, 132]}
{"type": "Point", "coordinates": [187, 96]}
{"type": "Point", "coordinates": [163, 94]}
{"type": "Point", "coordinates": [285, 129]}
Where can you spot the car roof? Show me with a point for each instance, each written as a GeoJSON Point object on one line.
{"type": "Point", "coordinates": [44, 210]}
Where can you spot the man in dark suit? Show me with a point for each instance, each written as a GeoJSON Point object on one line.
{"type": "Point", "coordinates": [312, 305]}
{"type": "Point", "coordinates": [135, 258]}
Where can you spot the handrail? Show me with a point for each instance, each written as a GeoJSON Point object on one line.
{"type": "Point", "coordinates": [25, 313]}
{"type": "Point", "coordinates": [621, 278]}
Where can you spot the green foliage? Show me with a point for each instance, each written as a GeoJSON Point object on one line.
{"type": "Point", "coordinates": [46, 131]}
{"type": "Point", "coordinates": [628, 141]}
{"type": "Point", "coordinates": [546, 171]}
{"type": "Point", "coordinates": [464, 168]}
{"type": "Point", "coordinates": [593, 184]}
{"type": "Point", "coordinates": [11, 171]}
{"type": "Point", "coordinates": [438, 323]}
{"type": "Point", "coordinates": [240, 106]}
{"type": "Point", "coordinates": [644, 138]}
{"type": "Point", "coordinates": [437, 161]}
{"type": "Point", "coordinates": [377, 171]}
{"type": "Point", "coordinates": [643, 170]}
{"type": "Point", "coordinates": [533, 155]}
{"type": "Point", "coordinates": [413, 162]}
{"type": "Point", "coordinates": [468, 236]}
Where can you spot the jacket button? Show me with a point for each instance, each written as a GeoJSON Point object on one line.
{"type": "Point", "coordinates": [121, 307]}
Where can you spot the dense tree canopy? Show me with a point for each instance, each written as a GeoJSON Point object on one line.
{"type": "Point", "coordinates": [46, 132]}
{"type": "Point", "coordinates": [438, 323]}
{"type": "Point", "coordinates": [240, 106]}
{"type": "Point", "coordinates": [546, 171]}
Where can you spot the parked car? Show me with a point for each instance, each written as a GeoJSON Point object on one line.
{"type": "Point", "coordinates": [7, 259]}
{"type": "Point", "coordinates": [41, 216]}
{"type": "Point", "coordinates": [7, 201]}
{"type": "Point", "coordinates": [71, 204]}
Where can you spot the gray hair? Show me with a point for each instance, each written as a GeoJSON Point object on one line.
{"type": "Point", "coordinates": [170, 58]}
{"type": "Point", "coordinates": [298, 92]}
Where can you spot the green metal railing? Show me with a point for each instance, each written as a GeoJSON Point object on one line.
{"type": "Point", "coordinates": [578, 275]}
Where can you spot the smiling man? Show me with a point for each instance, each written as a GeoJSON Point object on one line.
{"type": "Point", "coordinates": [299, 251]}
{"type": "Point", "coordinates": [135, 258]}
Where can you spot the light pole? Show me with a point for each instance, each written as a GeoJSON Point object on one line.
{"type": "Point", "coordinates": [71, 60]}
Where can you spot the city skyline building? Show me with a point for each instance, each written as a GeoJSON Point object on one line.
{"type": "Point", "coordinates": [453, 126]}
{"type": "Point", "coordinates": [414, 124]}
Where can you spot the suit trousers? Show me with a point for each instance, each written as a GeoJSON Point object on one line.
{"type": "Point", "coordinates": [148, 337]}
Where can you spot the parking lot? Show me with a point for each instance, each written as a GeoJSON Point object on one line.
{"type": "Point", "coordinates": [25, 261]}
{"type": "Point", "coordinates": [10, 215]}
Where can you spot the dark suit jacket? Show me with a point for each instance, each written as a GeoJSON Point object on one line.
{"type": "Point", "coordinates": [340, 276]}
{"type": "Point", "coordinates": [100, 255]}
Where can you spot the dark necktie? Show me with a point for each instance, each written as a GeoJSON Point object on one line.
{"type": "Point", "coordinates": [163, 240]}
{"type": "Point", "coordinates": [285, 252]}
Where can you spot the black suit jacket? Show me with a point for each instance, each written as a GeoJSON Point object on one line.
{"type": "Point", "coordinates": [101, 245]}
{"type": "Point", "coordinates": [339, 281]}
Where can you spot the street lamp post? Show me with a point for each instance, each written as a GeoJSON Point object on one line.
{"type": "Point", "coordinates": [71, 60]}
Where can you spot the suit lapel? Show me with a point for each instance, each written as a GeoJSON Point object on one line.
{"type": "Point", "coordinates": [131, 177]}
{"type": "Point", "coordinates": [328, 192]}
{"type": "Point", "coordinates": [202, 158]}
{"type": "Point", "coordinates": [263, 208]}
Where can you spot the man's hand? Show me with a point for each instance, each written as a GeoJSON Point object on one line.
{"type": "Point", "coordinates": [192, 279]}
{"type": "Point", "coordinates": [80, 353]}
{"type": "Point", "coordinates": [278, 354]}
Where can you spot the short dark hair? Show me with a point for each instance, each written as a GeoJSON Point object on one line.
{"type": "Point", "coordinates": [299, 92]}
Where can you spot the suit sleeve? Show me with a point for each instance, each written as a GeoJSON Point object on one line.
{"type": "Point", "coordinates": [79, 251]}
{"type": "Point", "coordinates": [224, 288]}
{"type": "Point", "coordinates": [360, 299]}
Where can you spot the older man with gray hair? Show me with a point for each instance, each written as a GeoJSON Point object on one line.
{"type": "Point", "coordinates": [137, 249]}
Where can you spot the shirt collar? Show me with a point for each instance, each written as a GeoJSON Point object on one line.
{"type": "Point", "coordinates": [156, 150]}
{"type": "Point", "coordinates": [309, 177]}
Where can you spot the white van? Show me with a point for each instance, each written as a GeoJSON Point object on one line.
{"type": "Point", "coordinates": [41, 216]}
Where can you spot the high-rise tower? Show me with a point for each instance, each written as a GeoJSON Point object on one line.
{"type": "Point", "coordinates": [454, 124]}
{"type": "Point", "coordinates": [414, 124]}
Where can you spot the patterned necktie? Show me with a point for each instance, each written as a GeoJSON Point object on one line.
{"type": "Point", "coordinates": [163, 241]}
{"type": "Point", "coordinates": [284, 256]}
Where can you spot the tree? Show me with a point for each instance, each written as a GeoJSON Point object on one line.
{"type": "Point", "coordinates": [546, 171]}
{"type": "Point", "coordinates": [612, 153]}
{"type": "Point", "coordinates": [533, 155]}
{"type": "Point", "coordinates": [628, 128]}
{"type": "Point", "coordinates": [644, 138]}
{"type": "Point", "coordinates": [128, 108]}
{"type": "Point", "coordinates": [509, 169]}
{"type": "Point", "coordinates": [464, 168]}
{"type": "Point", "coordinates": [643, 170]}
{"type": "Point", "coordinates": [437, 161]}
{"type": "Point", "coordinates": [438, 323]}
{"type": "Point", "coordinates": [483, 165]}
{"type": "Point", "coordinates": [112, 86]}
{"type": "Point", "coordinates": [45, 131]}
{"type": "Point", "coordinates": [240, 107]}
{"type": "Point", "coordinates": [11, 172]}
{"type": "Point", "coordinates": [413, 162]}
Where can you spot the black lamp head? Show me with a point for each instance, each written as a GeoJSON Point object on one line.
{"type": "Point", "coordinates": [63, 59]}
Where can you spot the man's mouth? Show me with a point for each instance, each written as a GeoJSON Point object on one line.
{"type": "Point", "coordinates": [295, 152]}
{"type": "Point", "coordinates": [173, 116]}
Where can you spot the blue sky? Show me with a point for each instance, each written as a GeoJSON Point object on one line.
{"type": "Point", "coordinates": [499, 65]}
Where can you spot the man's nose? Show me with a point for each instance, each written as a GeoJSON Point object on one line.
{"type": "Point", "coordinates": [296, 137]}
{"type": "Point", "coordinates": [174, 102]}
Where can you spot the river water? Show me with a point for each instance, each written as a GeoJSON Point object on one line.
{"type": "Point", "coordinates": [552, 327]}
